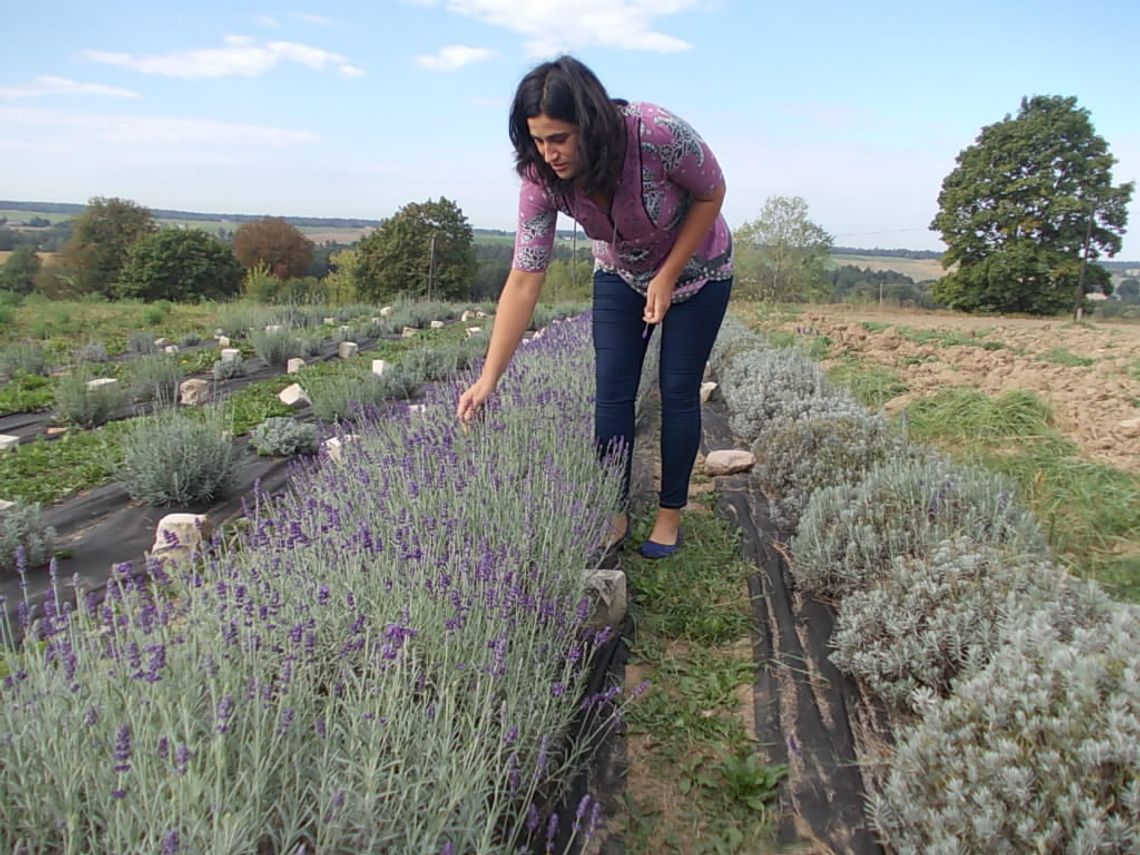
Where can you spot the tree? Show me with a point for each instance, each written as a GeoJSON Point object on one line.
{"type": "Point", "coordinates": [100, 240]}
{"type": "Point", "coordinates": [180, 264]}
{"type": "Point", "coordinates": [19, 271]}
{"type": "Point", "coordinates": [273, 241]}
{"type": "Point", "coordinates": [1027, 202]}
{"type": "Point", "coordinates": [782, 255]}
{"type": "Point", "coordinates": [423, 250]}
{"type": "Point", "coordinates": [1129, 291]}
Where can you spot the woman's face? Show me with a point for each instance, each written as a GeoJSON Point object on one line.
{"type": "Point", "coordinates": [557, 144]}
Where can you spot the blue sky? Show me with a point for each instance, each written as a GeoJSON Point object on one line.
{"type": "Point", "coordinates": [355, 108]}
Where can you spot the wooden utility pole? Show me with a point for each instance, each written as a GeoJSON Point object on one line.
{"type": "Point", "coordinates": [1079, 298]}
{"type": "Point", "coordinates": [431, 266]}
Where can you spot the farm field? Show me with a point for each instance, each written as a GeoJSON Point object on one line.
{"type": "Point", "coordinates": [918, 269]}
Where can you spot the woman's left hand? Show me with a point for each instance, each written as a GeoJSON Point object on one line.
{"type": "Point", "coordinates": [659, 298]}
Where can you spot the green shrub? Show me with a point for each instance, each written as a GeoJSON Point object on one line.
{"type": "Point", "coordinates": [276, 346]}
{"type": "Point", "coordinates": [1037, 752]}
{"type": "Point", "coordinates": [762, 388]}
{"type": "Point", "coordinates": [228, 369]}
{"type": "Point", "coordinates": [281, 436]}
{"type": "Point", "coordinates": [74, 402]}
{"type": "Point", "coordinates": [848, 535]}
{"type": "Point", "coordinates": [92, 352]}
{"type": "Point", "coordinates": [176, 459]}
{"type": "Point", "coordinates": [23, 526]}
{"type": "Point", "coordinates": [190, 339]}
{"type": "Point", "coordinates": [141, 343]}
{"type": "Point", "coordinates": [932, 618]}
{"type": "Point", "coordinates": [801, 456]}
{"type": "Point", "coordinates": [155, 378]}
{"type": "Point", "coordinates": [23, 359]}
{"type": "Point", "coordinates": [342, 396]}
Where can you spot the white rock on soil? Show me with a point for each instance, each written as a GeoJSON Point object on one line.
{"type": "Point", "coordinates": [102, 383]}
{"type": "Point", "coordinates": [344, 329]}
{"type": "Point", "coordinates": [328, 321]}
{"type": "Point", "coordinates": [409, 332]}
{"type": "Point", "coordinates": [437, 325]}
{"type": "Point", "coordinates": [473, 331]}
{"type": "Point", "coordinates": [729, 462]}
{"type": "Point", "coordinates": [335, 445]}
{"type": "Point", "coordinates": [8, 442]}
{"type": "Point", "coordinates": [466, 316]}
{"type": "Point", "coordinates": [417, 409]}
{"type": "Point", "coordinates": [480, 314]}
{"type": "Point", "coordinates": [387, 310]}
{"type": "Point", "coordinates": [230, 354]}
{"type": "Point", "coordinates": [607, 589]}
{"type": "Point", "coordinates": [194, 392]}
{"type": "Point", "coordinates": [347, 349]}
{"type": "Point", "coordinates": [170, 348]}
{"type": "Point", "coordinates": [293, 396]}
{"type": "Point", "coordinates": [161, 342]}
{"type": "Point", "coordinates": [294, 365]}
{"type": "Point", "coordinates": [178, 536]}
{"type": "Point", "coordinates": [223, 341]}
{"type": "Point", "coordinates": [5, 505]}
{"type": "Point", "coordinates": [707, 390]}
{"type": "Point", "coordinates": [379, 366]}
{"type": "Point", "coordinates": [272, 328]}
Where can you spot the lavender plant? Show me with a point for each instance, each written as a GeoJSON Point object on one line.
{"type": "Point", "coordinates": [391, 662]}
{"type": "Point", "coordinates": [848, 534]}
{"type": "Point", "coordinates": [282, 436]}
{"type": "Point", "coordinates": [24, 537]}
{"type": "Point", "coordinates": [155, 378]}
{"type": "Point", "coordinates": [74, 402]}
{"type": "Point", "coordinates": [276, 346]}
{"type": "Point", "coordinates": [23, 358]}
{"type": "Point", "coordinates": [228, 369]}
{"type": "Point", "coordinates": [1038, 752]}
{"type": "Point", "coordinates": [348, 395]}
{"type": "Point", "coordinates": [764, 388]}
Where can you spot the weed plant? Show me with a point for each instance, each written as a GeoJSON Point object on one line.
{"type": "Point", "coordinates": [25, 539]}
{"type": "Point", "coordinates": [26, 393]}
{"type": "Point", "coordinates": [174, 459]}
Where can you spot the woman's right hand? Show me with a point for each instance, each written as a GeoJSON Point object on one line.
{"type": "Point", "coordinates": [471, 402]}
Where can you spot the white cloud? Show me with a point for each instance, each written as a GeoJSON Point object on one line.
{"type": "Point", "coordinates": [241, 56]}
{"type": "Point", "coordinates": [310, 18]}
{"type": "Point", "coordinates": [267, 21]}
{"type": "Point", "coordinates": [552, 26]}
{"type": "Point", "coordinates": [451, 57]}
{"type": "Point", "coordinates": [42, 86]}
{"type": "Point", "coordinates": [145, 130]}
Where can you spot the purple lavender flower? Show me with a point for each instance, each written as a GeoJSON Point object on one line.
{"type": "Point", "coordinates": [448, 848]}
{"type": "Point", "coordinates": [558, 690]}
{"type": "Point", "coordinates": [224, 713]}
{"type": "Point", "coordinates": [90, 716]}
{"type": "Point", "coordinates": [182, 757]}
{"type": "Point", "coordinates": [123, 749]}
{"type": "Point", "coordinates": [580, 813]}
{"type": "Point", "coordinates": [171, 842]}
{"type": "Point", "coordinates": [287, 716]}
{"type": "Point", "coordinates": [551, 832]}
{"type": "Point", "coordinates": [533, 818]}
{"type": "Point", "coordinates": [119, 793]}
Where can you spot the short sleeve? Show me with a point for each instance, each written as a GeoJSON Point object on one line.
{"type": "Point", "coordinates": [534, 235]}
{"type": "Point", "coordinates": [687, 160]}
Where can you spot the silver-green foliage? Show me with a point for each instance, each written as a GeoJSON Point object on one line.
{"type": "Point", "coordinates": [934, 617]}
{"type": "Point", "coordinates": [228, 369]}
{"type": "Point", "coordinates": [1037, 752]}
{"type": "Point", "coordinates": [141, 343]}
{"type": "Point", "coordinates": [155, 378]}
{"type": "Point", "coordinates": [346, 395]}
{"type": "Point", "coordinates": [764, 387]}
{"type": "Point", "coordinates": [848, 534]}
{"type": "Point", "coordinates": [93, 351]}
{"type": "Point", "coordinates": [23, 526]}
{"type": "Point", "coordinates": [282, 436]}
{"type": "Point", "coordinates": [733, 339]}
{"type": "Point", "coordinates": [76, 403]}
{"type": "Point", "coordinates": [23, 359]}
{"type": "Point", "coordinates": [276, 346]}
{"type": "Point", "coordinates": [836, 446]}
{"type": "Point", "coordinates": [177, 459]}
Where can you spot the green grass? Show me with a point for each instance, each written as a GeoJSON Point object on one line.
{"type": "Point", "coordinates": [1090, 512]}
{"type": "Point", "coordinates": [712, 791]}
{"type": "Point", "coordinates": [940, 338]}
{"type": "Point", "coordinates": [872, 385]}
{"type": "Point", "coordinates": [1061, 356]}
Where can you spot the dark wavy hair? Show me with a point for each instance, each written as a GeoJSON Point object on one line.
{"type": "Point", "coordinates": [566, 90]}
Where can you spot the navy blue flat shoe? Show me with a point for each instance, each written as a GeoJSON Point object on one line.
{"type": "Point", "coordinates": [653, 549]}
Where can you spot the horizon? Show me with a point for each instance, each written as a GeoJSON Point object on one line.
{"type": "Point", "coordinates": [355, 112]}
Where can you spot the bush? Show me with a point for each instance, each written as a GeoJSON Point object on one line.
{"type": "Point", "coordinates": [141, 343]}
{"type": "Point", "coordinates": [276, 347]}
{"type": "Point", "coordinates": [345, 396]}
{"type": "Point", "coordinates": [228, 369]}
{"type": "Point", "coordinates": [76, 403]}
{"type": "Point", "coordinates": [23, 359]}
{"type": "Point", "coordinates": [281, 436]}
{"type": "Point", "coordinates": [237, 319]}
{"type": "Point", "coordinates": [848, 535]}
{"type": "Point", "coordinates": [733, 339]}
{"type": "Point", "coordinates": [190, 339]}
{"type": "Point", "coordinates": [23, 526]}
{"type": "Point", "coordinates": [155, 378]}
{"type": "Point", "coordinates": [175, 459]}
{"type": "Point", "coordinates": [932, 618]}
{"type": "Point", "coordinates": [763, 387]}
{"type": "Point", "coordinates": [440, 363]}
{"type": "Point", "coordinates": [1035, 753]}
{"type": "Point", "coordinates": [93, 351]}
{"type": "Point", "coordinates": [838, 446]}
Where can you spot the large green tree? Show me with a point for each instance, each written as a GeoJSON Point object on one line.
{"type": "Point", "coordinates": [273, 242]}
{"type": "Point", "coordinates": [424, 249]}
{"type": "Point", "coordinates": [19, 271]}
{"type": "Point", "coordinates": [782, 255]}
{"type": "Point", "coordinates": [182, 265]}
{"type": "Point", "coordinates": [1028, 203]}
{"type": "Point", "coordinates": [100, 239]}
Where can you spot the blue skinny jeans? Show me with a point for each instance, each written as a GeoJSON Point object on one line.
{"type": "Point", "coordinates": [687, 336]}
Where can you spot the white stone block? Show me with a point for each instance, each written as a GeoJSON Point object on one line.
{"type": "Point", "coordinates": [231, 354]}
{"type": "Point", "coordinates": [178, 536]}
{"type": "Point", "coordinates": [417, 409]}
{"type": "Point", "coordinates": [334, 446]}
{"type": "Point", "coordinates": [5, 505]}
{"type": "Point", "coordinates": [194, 392]}
{"type": "Point", "coordinates": [107, 383]}
{"type": "Point", "coordinates": [437, 325]}
{"type": "Point", "coordinates": [377, 321]}
{"type": "Point", "coordinates": [219, 331]}
{"type": "Point", "coordinates": [293, 396]}
{"type": "Point", "coordinates": [707, 390]}
{"type": "Point", "coordinates": [466, 316]}
{"type": "Point", "coordinates": [170, 348]}
{"type": "Point", "coordinates": [294, 365]}
{"type": "Point", "coordinates": [379, 366]}
{"type": "Point", "coordinates": [344, 329]}
{"type": "Point", "coordinates": [607, 589]}
{"type": "Point", "coordinates": [271, 328]}
{"type": "Point", "coordinates": [472, 331]}
{"type": "Point", "coordinates": [480, 314]}
{"type": "Point", "coordinates": [347, 349]}
{"type": "Point", "coordinates": [8, 442]}
{"type": "Point", "coordinates": [729, 462]}
{"type": "Point", "coordinates": [161, 342]}
{"type": "Point", "coordinates": [409, 332]}
{"type": "Point", "coordinates": [387, 310]}
{"type": "Point", "coordinates": [223, 341]}
{"type": "Point", "coordinates": [329, 321]}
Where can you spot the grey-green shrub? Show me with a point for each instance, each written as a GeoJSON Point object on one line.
{"type": "Point", "coordinates": [155, 378]}
{"type": "Point", "coordinates": [438, 363]}
{"type": "Point", "coordinates": [190, 339]}
{"type": "Point", "coordinates": [934, 617]}
{"type": "Point", "coordinates": [235, 320]}
{"type": "Point", "coordinates": [282, 436]}
{"type": "Point", "coordinates": [1037, 752]}
{"type": "Point", "coordinates": [23, 526]}
{"type": "Point", "coordinates": [848, 534]}
{"type": "Point", "coordinates": [276, 347]}
{"type": "Point", "coordinates": [93, 351]}
{"type": "Point", "coordinates": [75, 403]}
{"type": "Point", "coordinates": [228, 369]}
{"type": "Point", "coordinates": [175, 459]}
{"type": "Point", "coordinates": [798, 456]}
{"type": "Point", "coordinates": [763, 387]}
{"type": "Point", "coordinates": [310, 344]}
{"type": "Point", "coordinates": [23, 359]}
{"type": "Point", "coordinates": [141, 343]}
{"type": "Point", "coordinates": [733, 338]}
{"type": "Point", "coordinates": [341, 397]}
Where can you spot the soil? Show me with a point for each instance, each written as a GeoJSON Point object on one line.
{"type": "Point", "coordinates": [1096, 405]}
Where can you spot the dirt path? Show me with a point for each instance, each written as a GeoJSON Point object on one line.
{"type": "Point", "coordinates": [1088, 373]}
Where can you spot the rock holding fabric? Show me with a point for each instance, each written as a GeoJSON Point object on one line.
{"type": "Point", "coordinates": [194, 392]}
{"type": "Point", "coordinates": [729, 462]}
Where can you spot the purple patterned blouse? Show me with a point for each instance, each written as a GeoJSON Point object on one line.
{"type": "Point", "coordinates": [666, 164]}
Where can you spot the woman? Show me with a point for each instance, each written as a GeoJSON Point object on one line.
{"type": "Point", "coordinates": [648, 191]}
